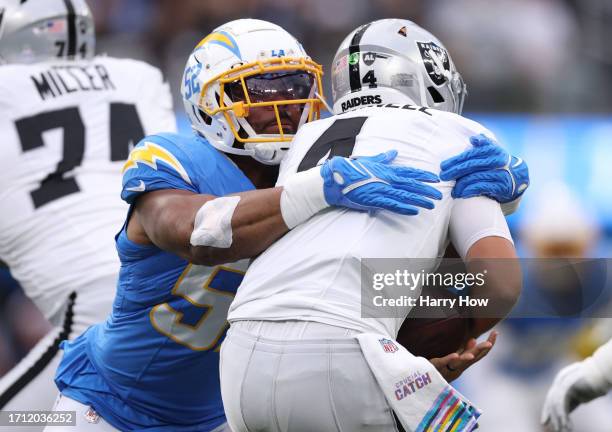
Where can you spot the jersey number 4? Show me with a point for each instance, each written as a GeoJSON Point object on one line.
{"type": "Point", "coordinates": [125, 128]}
{"type": "Point", "coordinates": [337, 140]}
{"type": "Point", "coordinates": [201, 322]}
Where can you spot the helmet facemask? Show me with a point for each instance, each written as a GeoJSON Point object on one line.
{"type": "Point", "coordinates": [265, 102]}
{"type": "Point", "coordinates": [458, 91]}
{"type": "Point", "coordinates": [268, 88]}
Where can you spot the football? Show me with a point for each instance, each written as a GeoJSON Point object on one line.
{"type": "Point", "coordinates": [434, 331]}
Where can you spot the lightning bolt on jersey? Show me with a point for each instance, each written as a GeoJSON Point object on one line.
{"type": "Point", "coordinates": [314, 271]}
{"type": "Point", "coordinates": [154, 363]}
{"type": "Point", "coordinates": [67, 128]}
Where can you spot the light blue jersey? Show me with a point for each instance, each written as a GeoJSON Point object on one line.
{"type": "Point", "coordinates": [154, 363]}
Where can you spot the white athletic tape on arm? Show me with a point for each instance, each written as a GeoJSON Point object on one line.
{"type": "Point", "coordinates": [213, 223]}
{"type": "Point", "coordinates": [302, 197]}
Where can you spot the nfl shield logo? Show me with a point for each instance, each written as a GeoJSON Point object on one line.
{"type": "Point", "coordinates": [388, 345]}
{"type": "Point", "coordinates": [91, 416]}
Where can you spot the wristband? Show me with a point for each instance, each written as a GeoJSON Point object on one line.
{"type": "Point", "coordinates": [302, 197]}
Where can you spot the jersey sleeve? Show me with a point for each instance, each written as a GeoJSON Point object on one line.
{"type": "Point", "coordinates": [157, 163]}
{"type": "Point", "coordinates": [473, 219]}
{"type": "Point", "coordinates": [464, 126]}
{"type": "Point", "coordinates": [453, 133]}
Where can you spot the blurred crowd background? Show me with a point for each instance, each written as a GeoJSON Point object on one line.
{"type": "Point", "coordinates": [539, 75]}
{"type": "Point", "coordinates": [518, 55]}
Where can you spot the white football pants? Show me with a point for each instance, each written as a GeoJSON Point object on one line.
{"type": "Point", "coordinates": [299, 376]}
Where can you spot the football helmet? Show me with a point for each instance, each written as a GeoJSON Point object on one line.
{"type": "Point", "coordinates": [395, 61]}
{"type": "Point", "coordinates": [40, 30]}
{"type": "Point", "coordinates": [240, 69]}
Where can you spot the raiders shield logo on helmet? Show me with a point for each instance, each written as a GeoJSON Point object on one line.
{"type": "Point", "coordinates": [436, 61]}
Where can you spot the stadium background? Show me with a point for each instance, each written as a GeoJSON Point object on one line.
{"type": "Point", "coordinates": [539, 75]}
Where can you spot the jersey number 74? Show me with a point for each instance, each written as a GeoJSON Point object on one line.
{"type": "Point", "coordinates": [125, 127]}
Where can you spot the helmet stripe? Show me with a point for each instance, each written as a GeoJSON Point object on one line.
{"type": "Point", "coordinates": [354, 49]}
{"type": "Point", "coordinates": [71, 18]}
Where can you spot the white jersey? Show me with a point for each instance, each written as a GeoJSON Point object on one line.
{"type": "Point", "coordinates": [313, 272]}
{"type": "Point", "coordinates": [66, 129]}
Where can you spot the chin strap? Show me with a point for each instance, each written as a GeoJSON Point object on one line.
{"type": "Point", "coordinates": [266, 153]}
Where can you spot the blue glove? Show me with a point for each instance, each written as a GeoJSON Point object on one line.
{"type": "Point", "coordinates": [367, 183]}
{"type": "Point", "coordinates": [486, 169]}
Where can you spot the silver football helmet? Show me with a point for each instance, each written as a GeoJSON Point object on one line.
{"type": "Point", "coordinates": [395, 61]}
{"type": "Point", "coordinates": [40, 30]}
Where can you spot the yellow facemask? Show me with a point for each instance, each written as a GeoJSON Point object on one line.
{"type": "Point", "coordinates": [240, 109]}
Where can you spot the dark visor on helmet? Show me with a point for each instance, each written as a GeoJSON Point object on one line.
{"type": "Point", "coordinates": [272, 87]}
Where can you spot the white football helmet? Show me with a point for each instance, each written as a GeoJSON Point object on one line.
{"type": "Point", "coordinates": [41, 30]}
{"type": "Point", "coordinates": [241, 66]}
{"type": "Point", "coordinates": [395, 61]}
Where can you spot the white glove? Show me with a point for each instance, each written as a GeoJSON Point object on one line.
{"type": "Point", "coordinates": [576, 384]}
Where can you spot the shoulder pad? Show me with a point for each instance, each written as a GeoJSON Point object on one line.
{"type": "Point", "coordinates": [157, 162]}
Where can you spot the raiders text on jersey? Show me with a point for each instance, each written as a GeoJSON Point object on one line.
{"type": "Point", "coordinates": [361, 100]}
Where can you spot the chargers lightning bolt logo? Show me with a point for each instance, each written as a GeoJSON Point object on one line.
{"type": "Point", "coordinates": [151, 153]}
{"type": "Point", "coordinates": [223, 39]}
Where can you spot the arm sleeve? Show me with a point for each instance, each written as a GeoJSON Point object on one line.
{"type": "Point", "coordinates": [473, 219]}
